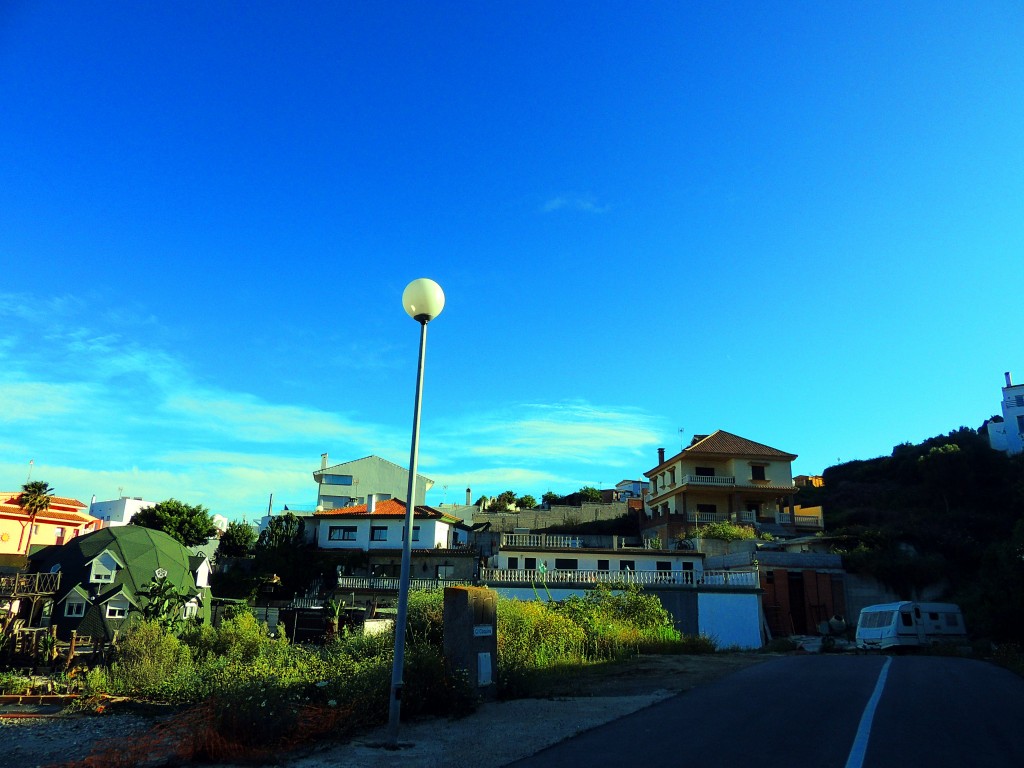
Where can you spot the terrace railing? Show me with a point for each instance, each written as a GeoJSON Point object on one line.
{"type": "Point", "coordinates": [539, 541]}
{"type": "Point", "coordinates": [25, 584]}
{"type": "Point", "coordinates": [390, 583]}
{"type": "Point", "coordinates": [744, 578]}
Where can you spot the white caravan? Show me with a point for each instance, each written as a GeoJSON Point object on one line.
{"type": "Point", "coordinates": [906, 624]}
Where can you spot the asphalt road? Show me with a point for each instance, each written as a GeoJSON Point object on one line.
{"type": "Point", "coordinates": [825, 711]}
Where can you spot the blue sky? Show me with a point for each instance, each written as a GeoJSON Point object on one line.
{"type": "Point", "coordinates": [801, 223]}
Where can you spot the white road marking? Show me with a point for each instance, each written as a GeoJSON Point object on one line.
{"type": "Point", "coordinates": [860, 742]}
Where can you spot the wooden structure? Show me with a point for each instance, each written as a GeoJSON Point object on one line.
{"type": "Point", "coordinates": [34, 588]}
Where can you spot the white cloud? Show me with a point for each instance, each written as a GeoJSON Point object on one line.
{"type": "Point", "coordinates": [119, 416]}
{"type": "Point", "coordinates": [585, 204]}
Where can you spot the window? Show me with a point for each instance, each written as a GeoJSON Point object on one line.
{"type": "Point", "coordinates": [58, 531]}
{"type": "Point", "coordinates": [445, 572]}
{"type": "Point", "coordinates": [337, 480]}
{"type": "Point", "coordinates": [1020, 423]}
{"type": "Point", "coordinates": [74, 609]}
{"type": "Point", "coordinates": [602, 565]}
{"type": "Point", "coordinates": [530, 563]}
{"type": "Point", "coordinates": [104, 568]}
{"type": "Point", "coordinates": [566, 564]}
{"type": "Point", "coordinates": [513, 563]}
{"type": "Point", "coordinates": [336, 502]}
{"type": "Point", "coordinates": [117, 609]}
{"type": "Point", "coordinates": [1018, 400]}
{"type": "Point", "coordinates": [189, 610]}
{"type": "Point", "coordinates": [704, 471]}
{"type": "Point", "coordinates": [378, 533]}
{"type": "Point", "coordinates": [709, 509]}
{"type": "Point", "coordinates": [341, 533]}
{"type": "Point", "coordinates": [627, 565]}
{"type": "Point", "coordinates": [757, 472]}
{"type": "Point", "coordinates": [663, 565]}
{"type": "Point", "coordinates": [415, 533]}
{"type": "Point", "coordinates": [904, 617]}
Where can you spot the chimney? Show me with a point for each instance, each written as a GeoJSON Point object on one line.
{"type": "Point", "coordinates": [661, 455]}
{"type": "Point", "coordinates": [469, 496]}
{"type": "Point", "coordinates": [371, 503]}
{"type": "Point", "coordinates": [1009, 382]}
{"type": "Point", "coordinates": [323, 461]}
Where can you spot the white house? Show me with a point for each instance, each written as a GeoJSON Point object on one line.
{"type": "Point", "coordinates": [630, 489]}
{"type": "Point", "coordinates": [1008, 435]}
{"type": "Point", "coordinates": [724, 605]}
{"type": "Point", "coordinates": [380, 525]}
{"type": "Point", "coordinates": [118, 511]}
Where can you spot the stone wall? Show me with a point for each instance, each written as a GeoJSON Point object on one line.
{"type": "Point", "coordinates": [539, 519]}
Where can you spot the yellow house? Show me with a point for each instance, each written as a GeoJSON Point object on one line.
{"type": "Point", "coordinates": [64, 520]}
{"type": "Point", "coordinates": [719, 477]}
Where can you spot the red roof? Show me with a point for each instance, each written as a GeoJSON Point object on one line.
{"type": "Point", "coordinates": [61, 509]}
{"type": "Point", "coordinates": [725, 445]}
{"type": "Point", "coordinates": [386, 508]}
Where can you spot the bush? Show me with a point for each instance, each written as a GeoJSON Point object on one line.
{"type": "Point", "coordinates": [151, 663]}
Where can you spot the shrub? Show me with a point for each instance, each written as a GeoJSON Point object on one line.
{"type": "Point", "coordinates": [725, 531]}
{"type": "Point", "coordinates": [425, 619]}
{"type": "Point", "coordinates": [151, 663]}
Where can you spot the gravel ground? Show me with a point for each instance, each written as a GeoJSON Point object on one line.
{"type": "Point", "coordinates": [496, 734]}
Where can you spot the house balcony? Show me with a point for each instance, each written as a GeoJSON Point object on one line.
{"type": "Point", "coordinates": [689, 482]}
{"type": "Point", "coordinates": [721, 579]}
{"type": "Point", "coordinates": [29, 584]}
{"type": "Point", "coordinates": [390, 583]}
{"type": "Point", "coordinates": [539, 541]}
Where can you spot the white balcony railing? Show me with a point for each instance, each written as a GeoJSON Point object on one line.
{"type": "Point", "coordinates": [709, 480]}
{"type": "Point", "coordinates": [644, 578]}
{"type": "Point", "coordinates": [809, 521]}
{"type": "Point", "coordinates": [705, 517]}
{"type": "Point", "coordinates": [390, 583]}
{"type": "Point", "coordinates": [539, 541]}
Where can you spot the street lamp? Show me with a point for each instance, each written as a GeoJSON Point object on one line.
{"type": "Point", "coordinates": [423, 300]}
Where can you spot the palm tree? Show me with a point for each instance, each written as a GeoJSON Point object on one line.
{"type": "Point", "coordinates": [35, 498]}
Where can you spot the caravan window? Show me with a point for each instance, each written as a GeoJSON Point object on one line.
{"type": "Point", "coordinates": [876, 619]}
{"type": "Point", "coordinates": [906, 619]}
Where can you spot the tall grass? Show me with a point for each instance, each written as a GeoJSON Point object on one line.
{"type": "Point", "coordinates": [261, 685]}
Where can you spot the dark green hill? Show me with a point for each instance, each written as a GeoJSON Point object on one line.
{"type": "Point", "coordinates": [948, 510]}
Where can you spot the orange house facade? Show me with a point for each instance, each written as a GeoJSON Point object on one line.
{"type": "Point", "coordinates": [65, 519]}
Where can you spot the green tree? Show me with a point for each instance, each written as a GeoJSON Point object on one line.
{"type": "Point", "coordinates": [589, 493]}
{"type": "Point", "coordinates": [189, 524]}
{"type": "Point", "coordinates": [35, 498]}
{"type": "Point", "coordinates": [526, 502]}
{"type": "Point", "coordinates": [550, 498]}
{"type": "Point", "coordinates": [283, 532]}
{"type": "Point", "coordinates": [503, 501]}
{"type": "Point", "coordinates": [238, 540]}
{"type": "Point", "coordinates": [282, 550]}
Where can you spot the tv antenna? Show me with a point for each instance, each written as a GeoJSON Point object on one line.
{"type": "Point", "coordinates": [682, 432]}
{"type": "Point", "coordinates": [31, 462]}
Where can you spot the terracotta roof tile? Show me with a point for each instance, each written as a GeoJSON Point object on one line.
{"type": "Point", "coordinates": [387, 508]}
{"type": "Point", "coordinates": [726, 444]}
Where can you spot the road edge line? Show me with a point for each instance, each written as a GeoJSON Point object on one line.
{"type": "Point", "coordinates": [860, 741]}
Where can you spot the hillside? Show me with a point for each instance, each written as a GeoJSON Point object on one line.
{"type": "Point", "coordinates": [947, 511]}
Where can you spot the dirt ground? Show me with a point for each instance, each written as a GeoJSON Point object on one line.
{"type": "Point", "coordinates": [647, 674]}
{"type": "Point", "coordinates": [581, 700]}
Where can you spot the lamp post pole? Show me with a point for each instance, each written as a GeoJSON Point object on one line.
{"type": "Point", "coordinates": [423, 301]}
